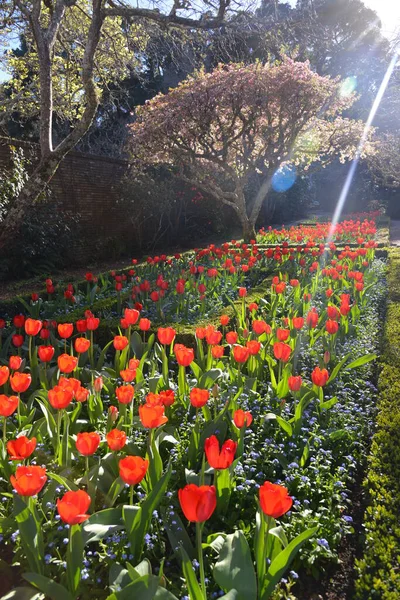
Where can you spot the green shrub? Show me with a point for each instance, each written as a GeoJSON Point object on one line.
{"type": "Point", "coordinates": [378, 569]}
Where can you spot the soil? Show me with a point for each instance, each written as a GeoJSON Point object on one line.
{"type": "Point", "coordinates": [338, 581]}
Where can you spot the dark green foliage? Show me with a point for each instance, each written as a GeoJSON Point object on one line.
{"type": "Point", "coordinates": [379, 575]}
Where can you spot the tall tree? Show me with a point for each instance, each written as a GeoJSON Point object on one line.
{"type": "Point", "coordinates": [52, 30]}
{"type": "Point", "coordinates": [217, 130]}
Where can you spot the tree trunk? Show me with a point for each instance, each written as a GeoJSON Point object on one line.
{"type": "Point", "coordinates": [32, 189]}
{"type": "Point", "coordinates": [248, 229]}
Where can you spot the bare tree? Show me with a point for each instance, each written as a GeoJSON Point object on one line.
{"type": "Point", "coordinates": [45, 19]}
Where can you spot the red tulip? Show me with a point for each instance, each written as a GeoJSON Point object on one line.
{"type": "Point", "coordinates": [17, 340]}
{"type": "Point", "coordinates": [253, 347]}
{"type": "Point", "coordinates": [28, 481]}
{"type": "Point", "coordinates": [4, 374]}
{"type": "Point", "coordinates": [144, 324]}
{"type": "Point", "coordinates": [32, 326]}
{"type": "Point", "coordinates": [282, 334]}
{"type": "Point", "coordinates": [331, 327]}
{"type": "Point", "coordinates": [125, 393]}
{"type": "Point", "coordinates": [72, 507]}
{"type": "Point", "coordinates": [120, 342]}
{"type": "Point", "coordinates": [167, 397]}
{"type": "Point", "coordinates": [81, 325]}
{"type": "Point", "coordinates": [116, 439]}
{"type": "Point", "coordinates": [132, 469]}
{"type": "Point", "coordinates": [152, 416]}
{"type": "Point", "coordinates": [65, 330]}
{"type": "Point", "coordinates": [199, 397]}
{"type": "Point", "coordinates": [231, 337]}
{"type": "Point", "coordinates": [213, 336]}
{"type": "Point", "coordinates": [82, 394]}
{"type": "Point", "coordinates": [219, 459]}
{"type": "Point", "coordinates": [19, 321]}
{"type": "Point", "coordinates": [82, 345]}
{"type": "Point", "coordinates": [45, 353]}
{"type": "Point", "coordinates": [240, 353]}
{"type": "Point", "coordinates": [274, 500]}
{"type": "Point", "coordinates": [21, 448]}
{"type": "Point", "coordinates": [184, 356]}
{"type": "Point", "coordinates": [260, 327]}
{"type": "Point", "coordinates": [131, 315]}
{"type": "Point", "coordinates": [60, 397]}
{"type": "Point", "coordinates": [166, 335]}
{"type": "Point", "coordinates": [319, 377]}
{"type": "Point", "coordinates": [201, 333]}
{"type": "Point", "coordinates": [298, 322]}
{"type": "Point", "coordinates": [87, 442]}
{"type": "Point", "coordinates": [242, 292]}
{"type": "Point", "coordinates": [224, 320]}
{"type": "Point", "coordinates": [92, 323]}
{"type": "Point", "coordinates": [312, 319]}
{"type": "Point", "coordinates": [8, 405]}
{"type": "Point", "coordinates": [294, 382]}
{"type": "Point", "coordinates": [198, 503]}
{"type": "Point", "coordinates": [333, 313]}
{"type": "Point", "coordinates": [128, 375]}
{"type": "Point", "coordinates": [282, 351]}
{"type": "Point", "coordinates": [242, 418]}
{"type": "Point", "coordinates": [15, 362]}
{"type": "Point", "coordinates": [67, 363]}
{"type": "Point", "coordinates": [20, 382]}
{"type": "Point", "coordinates": [217, 351]}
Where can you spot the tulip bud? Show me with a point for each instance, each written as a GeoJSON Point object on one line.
{"type": "Point", "coordinates": [214, 390]}
{"type": "Point", "coordinates": [98, 385]}
{"type": "Point", "coordinates": [327, 357]}
{"type": "Point", "coordinates": [113, 413]}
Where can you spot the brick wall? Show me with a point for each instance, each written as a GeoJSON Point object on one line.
{"type": "Point", "coordinates": [87, 186]}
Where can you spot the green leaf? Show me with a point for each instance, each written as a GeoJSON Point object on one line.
{"type": "Point", "coordinates": [329, 403]}
{"type": "Point", "coordinates": [101, 524]}
{"type": "Point", "coordinates": [142, 569]}
{"type": "Point", "coordinates": [234, 568]}
{"type": "Point", "coordinates": [209, 378]}
{"type": "Point", "coordinates": [138, 522]}
{"type": "Point", "coordinates": [70, 485]}
{"type": "Point", "coordinates": [193, 586]}
{"type": "Point", "coordinates": [115, 491]}
{"type": "Point", "coordinates": [23, 593]}
{"type": "Point", "coordinates": [281, 563]}
{"type": "Point", "coordinates": [163, 594]}
{"type": "Point", "coordinates": [363, 360]}
{"type": "Point", "coordinates": [53, 590]}
{"type": "Point", "coordinates": [285, 425]}
{"type": "Point", "coordinates": [177, 534]}
{"type": "Point", "coordinates": [74, 558]}
{"type": "Point", "coordinates": [143, 588]}
{"type": "Point", "coordinates": [338, 368]}
{"type": "Point", "coordinates": [279, 533]}
{"type": "Point", "coordinates": [31, 534]}
{"type": "Point", "coordinates": [102, 357]}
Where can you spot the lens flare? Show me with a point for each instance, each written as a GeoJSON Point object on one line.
{"type": "Point", "coordinates": [284, 178]}
{"type": "Point", "coordinates": [347, 184]}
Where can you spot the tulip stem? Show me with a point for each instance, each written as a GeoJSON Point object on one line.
{"type": "Point", "coordinates": [4, 431]}
{"type": "Point", "coordinates": [200, 558]}
{"type": "Point", "coordinates": [59, 415]}
{"type": "Point", "coordinates": [131, 495]}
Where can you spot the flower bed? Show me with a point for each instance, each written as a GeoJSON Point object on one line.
{"type": "Point", "coordinates": [151, 469]}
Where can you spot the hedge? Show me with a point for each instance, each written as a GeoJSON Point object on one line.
{"type": "Point", "coordinates": [379, 568]}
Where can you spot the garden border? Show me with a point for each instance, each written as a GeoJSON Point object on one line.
{"type": "Point", "coordinates": [378, 569]}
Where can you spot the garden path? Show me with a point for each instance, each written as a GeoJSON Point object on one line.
{"type": "Point", "coordinates": [395, 232]}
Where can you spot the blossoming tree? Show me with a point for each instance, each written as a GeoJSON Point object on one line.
{"type": "Point", "coordinates": [219, 130]}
